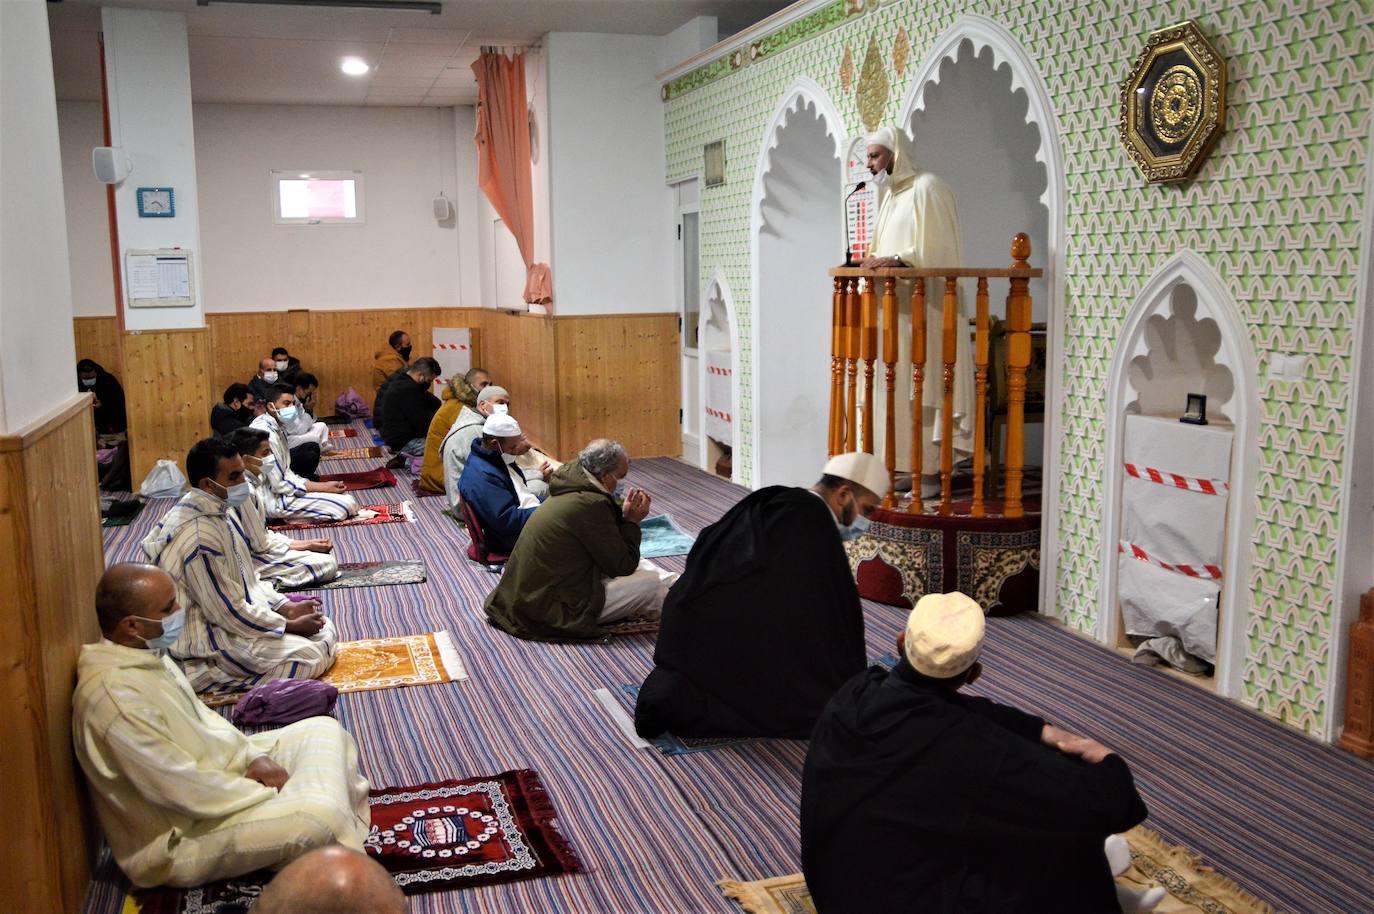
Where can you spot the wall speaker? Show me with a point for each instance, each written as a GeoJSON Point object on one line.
{"type": "Point", "coordinates": [442, 208]}
{"type": "Point", "coordinates": [111, 164]}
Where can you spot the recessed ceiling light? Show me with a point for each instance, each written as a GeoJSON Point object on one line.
{"type": "Point", "coordinates": [354, 66]}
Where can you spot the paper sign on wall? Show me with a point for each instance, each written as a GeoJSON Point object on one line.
{"type": "Point", "coordinates": [160, 278]}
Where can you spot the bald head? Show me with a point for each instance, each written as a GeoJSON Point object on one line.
{"type": "Point", "coordinates": [131, 589]}
{"type": "Point", "coordinates": [332, 880]}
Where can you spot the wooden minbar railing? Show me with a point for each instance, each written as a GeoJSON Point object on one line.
{"type": "Point", "coordinates": [855, 326]}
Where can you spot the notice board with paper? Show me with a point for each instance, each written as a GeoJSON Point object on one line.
{"type": "Point", "coordinates": [161, 278]}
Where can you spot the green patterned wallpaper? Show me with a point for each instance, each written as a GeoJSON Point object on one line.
{"type": "Point", "coordinates": [1276, 210]}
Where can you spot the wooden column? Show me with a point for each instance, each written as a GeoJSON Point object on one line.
{"type": "Point", "coordinates": [1358, 735]}
{"type": "Point", "coordinates": [918, 374]}
{"type": "Point", "coordinates": [980, 361]}
{"type": "Point", "coordinates": [835, 441]}
{"type": "Point", "coordinates": [851, 350]}
{"type": "Point", "coordinates": [868, 351]}
{"type": "Point", "coordinates": [1018, 359]}
{"type": "Point", "coordinates": [949, 320]}
{"type": "Point", "coordinates": [890, 376]}
{"type": "Point", "coordinates": [167, 394]}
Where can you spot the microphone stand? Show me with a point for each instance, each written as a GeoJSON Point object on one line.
{"type": "Point", "coordinates": [848, 252]}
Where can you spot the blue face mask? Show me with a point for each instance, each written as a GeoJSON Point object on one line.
{"type": "Point", "coordinates": [857, 528]}
{"type": "Point", "coordinates": [171, 630]}
{"type": "Point", "coordinates": [287, 413]}
{"type": "Point", "coordinates": [236, 494]}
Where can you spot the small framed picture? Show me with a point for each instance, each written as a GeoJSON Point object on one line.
{"type": "Point", "coordinates": [1196, 413]}
{"type": "Point", "coordinates": [156, 202]}
{"type": "Point", "coordinates": [714, 164]}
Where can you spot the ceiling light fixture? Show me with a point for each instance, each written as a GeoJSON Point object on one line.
{"type": "Point", "coordinates": [416, 6]}
{"type": "Point", "coordinates": [354, 66]}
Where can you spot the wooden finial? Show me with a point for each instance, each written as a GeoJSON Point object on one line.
{"type": "Point", "coordinates": [1020, 249]}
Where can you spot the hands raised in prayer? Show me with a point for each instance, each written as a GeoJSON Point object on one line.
{"type": "Point", "coordinates": [636, 506]}
{"type": "Point", "coordinates": [1068, 743]}
{"type": "Point", "coordinates": [267, 773]}
{"type": "Point", "coordinates": [546, 470]}
{"type": "Point", "coordinates": [303, 617]}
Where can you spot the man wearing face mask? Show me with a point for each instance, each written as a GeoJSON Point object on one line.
{"type": "Point", "coordinates": [110, 417]}
{"type": "Point", "coordinates": [288, 366]}
{"type": "Point", "coordinates": [459, 392]}
{"type": "Point", "coordinates": [183, 796]}
{"type": "Point", "coordinates": [494, 487]}
{"type": "Point", "coordinates": [407, 406]}
{"type": "Point", "coordinates": [267, 377]}
{"type": "Point", "coordinates": [765, 624]}
{"type": "Point", "coordinates": [467, 429]}
{"type": "Point", "coordinates": [388, 361]}
{"type": "Point", "coordinates": [281, 561]}
{"type": "Point", "coordinates": [240, 632]}
{"type": "Point", "coordinates": [293, 497]}
{"type": "Point", "coordinates": [236, 409]}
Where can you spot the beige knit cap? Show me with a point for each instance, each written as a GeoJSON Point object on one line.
{"type": "Point", "coordinates": [944, 634]}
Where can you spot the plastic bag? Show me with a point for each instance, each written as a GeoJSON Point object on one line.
{"type": "Point", "coordinates": [350, 404]}
{"type": "Point", "coordinates": [164, 481]}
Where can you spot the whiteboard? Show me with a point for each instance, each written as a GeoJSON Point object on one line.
{"type": "Point", "coordinates": [161, 278]}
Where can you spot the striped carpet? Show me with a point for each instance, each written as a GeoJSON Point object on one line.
{"type": "Point", "coordinates": [1288, 819]}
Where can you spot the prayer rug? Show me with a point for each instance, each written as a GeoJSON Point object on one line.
{"type": "Point", "coordinates": [632, 626]}
{"type": "Point", "coordinates": [343, 433]}
{"type": "Point", "coordinates": [371, 574]}
{"type": "Point", "coordinates": [336, 420]}
{"type": "Point", "coordinates": [669, 744]}
{"type": "Point", "coordinates": [431, 838]}
{"type": "Point", "coordinates": [383, 514]}
{"type": "Point", "coordinates": [379, 478]}
{"type": "Point", "coordinates": [1193, 888]}
{"type": "Point", "coordinates": [356, 453]}
{"type": "Point", "coordinates": [422, 493]}
{"type": "Point", "coordinates": [660, 536]}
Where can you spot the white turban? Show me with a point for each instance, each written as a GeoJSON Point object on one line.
{"type": "Point", "coordinates": [501, 426]}
{"type": "Point", "coordinates": [903, 155]}
{"type": "Point", "coordinates": [862, 469]}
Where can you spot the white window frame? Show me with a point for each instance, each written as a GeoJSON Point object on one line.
{"type": "Point", "coordinates": [295, 174]}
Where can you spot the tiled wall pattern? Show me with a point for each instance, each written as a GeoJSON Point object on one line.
{"type": "Point", "coordinates": [1276, 210]}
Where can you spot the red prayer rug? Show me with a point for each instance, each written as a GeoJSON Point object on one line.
{"type": "Point", "coordinates": [385, 514]}
{"type": "Point", "coordinates": [343, 433]}
{"type": "Point", "coordinates": [379, 478]}
{"type": "Point", "coordinates": [431, 838]}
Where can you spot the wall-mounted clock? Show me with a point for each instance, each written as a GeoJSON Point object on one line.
{"type": "Point", "coordinates": [156, 202]}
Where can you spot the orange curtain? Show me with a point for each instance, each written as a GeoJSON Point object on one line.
{"type": "Point", "coordinates": [503, 159]}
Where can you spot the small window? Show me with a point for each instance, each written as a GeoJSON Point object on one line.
{"type": "Point", "coordinates": [317, 197]}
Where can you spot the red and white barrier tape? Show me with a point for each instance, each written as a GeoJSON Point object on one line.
{"type": "Point", "coordinates": [724, 372]}
{"type": "Point", "coordinates": [1191, 483]}
{"type": "Point", "coordinates": [462, 346]}
{"type": "Point", "coordinates": [1212, 572]}
{"type": "Point", "coordinates": [715, 413]}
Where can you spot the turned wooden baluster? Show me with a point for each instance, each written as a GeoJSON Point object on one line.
{"type": "Point", "coordinates": [890, 374]}
{"type": "Point", "coordinates": [918, 374]}
{"type": "Point", "coordinates": [948, 354]}
{"type": "Point", "coordinates": [1018, 359]}
{"type": "Point", "coordinates": [834, 442]}
{"type": "Point", "coordinates": [868, 351]}
{"type": "Point", "coordinates": [851, 352]}
{"type": "Point", "coordinates": [980, 361]}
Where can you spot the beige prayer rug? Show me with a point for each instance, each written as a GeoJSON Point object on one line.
{"type": "Point", "coordinates": [353, 453]}
{"type": "Point", "coordinates": [382, 663]}
{"type": "Point", "coordinates": [1193, 887]}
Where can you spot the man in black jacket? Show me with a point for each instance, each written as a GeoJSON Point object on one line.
{"type": "Point", "coordinates": [918, 798]}
{"type": "Point", "coordinates": [110, 416]}
{"type": "Point", "coordinates": [236, 411]}
{"type": "Point", "coordinates": [405, 407]}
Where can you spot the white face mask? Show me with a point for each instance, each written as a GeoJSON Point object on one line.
{"type": "Point", "coordinates": [269, 376]}
{"type": "Point", "coordinates": [500, 409]}
{"type": "Point", "coordinates": [281, 365]}
{"type": "Point", "coordinates": [879, 179]}
{"type": "Point", "coordinates": [508, 458]}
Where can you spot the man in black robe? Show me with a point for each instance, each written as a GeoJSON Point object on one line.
{"type": "Point", "coordinates": [918, 798]}
{"type": "Point", "coordinates": [765, 624]}
{"type": "Point", "coordinates": [110, 416]}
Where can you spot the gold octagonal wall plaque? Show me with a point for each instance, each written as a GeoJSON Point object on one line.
{"type": "Point", "coordinates": [1173, 105]}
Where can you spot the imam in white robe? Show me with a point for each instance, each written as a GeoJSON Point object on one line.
{"type": "Point", "coordinates": [234, 638]}
{"type": "Point", "coordinates": [279, 563]}
{"type": "Point", "coordinates": [167, 776]}
{"type": "Point", "coordinates": [289, 500]}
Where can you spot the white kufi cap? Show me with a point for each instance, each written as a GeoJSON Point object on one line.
{"type": "Point", "coordinates": [865, 469]}
{"type": "Point", "coordinates": [501, 425]}
{"type": "Point", "coordinates": [944, 634]}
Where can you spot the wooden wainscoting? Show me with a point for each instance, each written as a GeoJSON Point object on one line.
{"type": "Point", "coordinates": [518, 350]}
{"type": "Point", "coordinates": [167, 393]}
{"type": "Point", "coordinates": [97, 339]}
{"type": "Point", "coordinates": [50, 541]}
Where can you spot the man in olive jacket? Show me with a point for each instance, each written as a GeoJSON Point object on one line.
{"type": "Point", "coordinates": [576, 566]}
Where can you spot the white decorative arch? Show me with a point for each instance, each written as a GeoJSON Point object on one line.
{"type": "Point", "coordinates": [1214, 301]}
{"type": "Point", "coordinates": [718, 289]}
{"type": "Point", "coordinates": [803, 92]}
{"type": "Point", "coordinates": [982, 32]}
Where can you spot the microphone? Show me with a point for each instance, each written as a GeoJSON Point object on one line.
{"type": "Point", "coordinates": [848, 252]}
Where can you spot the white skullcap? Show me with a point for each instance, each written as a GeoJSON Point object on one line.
{"type": "Point", "coordinates": [885, 137]}
{"type": "Point", "coordinates": [490, 392]}
{"type": "Point", "coordinates": [501, 426]}
{"type": "Point", "coordinates": [865, 469]}
{"type": "Point", "coordinates": [944, 634]}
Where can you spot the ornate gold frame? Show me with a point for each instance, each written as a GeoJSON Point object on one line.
{"type": "Point", "coordinates": [1190, 99]}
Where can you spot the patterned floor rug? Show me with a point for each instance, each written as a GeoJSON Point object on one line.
{"type": "Point", "coordinates": [431, 838]}
{"type": "Point", "coordinates": [372, 574]}
{"type": "Point", "coordinates": [382, 514]}
{"type": "Point", "coordinates": [1193, 888]}
{"type": "Point", "coordinates": [380, 478]}
{"type": "Point", "coordinates": [669, 744]}
{"type": "Point", "coordinates": [661, 536]}
{"type": "Point", "coordinates": [355, 453]}
{"type": "Point", "coordinates": [343, 433]}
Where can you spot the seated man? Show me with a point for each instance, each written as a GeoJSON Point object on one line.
{"type": "Point", "coordinates": [773, 573]}
{"type": "Point", "coordinates": [239, 631]}
{"type": "Point", "coordinates": [294, 498]}
{"type": "Point", "coordinates": [394, 357]}
{"type": "Point", "coordinates": [407, 408]}
{"type": "Point", "coordinates": [576, 565]}
{"type": "Point", "coordinates": [237, 409]}
{"type": "Point", "coordinates": [303, 429]}
{"type": "Point", "coordinates": [110, 415]}
{"type": "Point", "coordinates": [281, 561]}
{"type": "Point", "coordinates": [494, 487]}
{"type": "Point", "coordinates": [454, 450]}
{"type": "Point", "coordinates": [964, 804]}
{"type": "Point", "coordinates": [460, 391]}
{"type": "Point", "coordinates": [185, 798]}
{"type": "Point", "coordinates": [266, 378]}
{"type": "Point", "coordinates": [288, 366]}
{"type": "Point", "coordinates": [332, 880]}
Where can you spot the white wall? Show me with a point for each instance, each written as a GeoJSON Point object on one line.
{"type": "Point", "coordinates": [467, 199]}
{"type": "Point", "coordinates": [37, 354]}
{"type": "Point", "coordinates": [687, 40]}
{"type": "Point", "coordinates": [88, 226]}
{"type": "Point", "coordinates": [611, 231]}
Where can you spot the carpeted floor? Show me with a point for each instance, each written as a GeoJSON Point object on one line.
{"type": "Point", "coordinates": [1284, 817]}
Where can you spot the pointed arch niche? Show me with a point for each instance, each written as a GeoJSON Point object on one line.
{"type": "Point", "coordinates": [796, 231]}
{"type": "Point", "coordinates": [718, 342]}
{"type": "Point", "coordinates": [980, 118]}
{"type": "Point", "coordinates": [1185, 334]}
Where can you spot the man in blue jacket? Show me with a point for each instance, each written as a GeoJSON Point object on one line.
{"type": "Point", "coordinates": [494, 486]}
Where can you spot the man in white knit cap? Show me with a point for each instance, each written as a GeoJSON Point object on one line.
{"type": "Point", "coordinates": [962, 804]}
